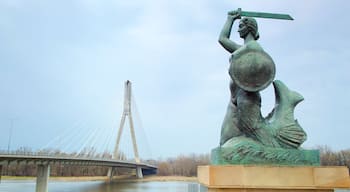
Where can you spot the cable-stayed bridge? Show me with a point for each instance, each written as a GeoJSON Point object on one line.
{"type": "Point", "coordinates": [86, 156]}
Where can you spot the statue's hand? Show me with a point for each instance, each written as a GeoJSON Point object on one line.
{"type": "Point", "coordinates": [236, 14]}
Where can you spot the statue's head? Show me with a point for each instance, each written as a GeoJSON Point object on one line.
{"type": "Point", "coordinates": [248, 25]}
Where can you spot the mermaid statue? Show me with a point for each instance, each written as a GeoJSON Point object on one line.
{"type": "Point", "coordinates": [246, 136]}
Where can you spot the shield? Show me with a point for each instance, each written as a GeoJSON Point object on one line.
{"type": "Point", "coordinates": [253, 70]}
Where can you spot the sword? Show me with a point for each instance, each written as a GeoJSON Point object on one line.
{"type": "Point", "coordinates": [263, 15]}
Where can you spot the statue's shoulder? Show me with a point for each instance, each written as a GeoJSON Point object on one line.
{"type": "Point", "coordinates": [252, 45]}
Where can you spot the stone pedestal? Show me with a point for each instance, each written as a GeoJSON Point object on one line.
{"type": "Point", "coordinates": [246, 178]}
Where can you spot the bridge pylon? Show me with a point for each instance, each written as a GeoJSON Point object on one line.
{"type": "Point", "coordinates": [127, 113]}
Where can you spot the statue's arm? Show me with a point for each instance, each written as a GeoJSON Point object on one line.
{"type": "Point", "coordinates": [224, 38]}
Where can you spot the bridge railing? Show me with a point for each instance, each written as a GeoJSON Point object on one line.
{"type": "Point", "coordinates": [52, 154]}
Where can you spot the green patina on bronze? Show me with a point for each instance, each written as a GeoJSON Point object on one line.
{"type": "Point", "coordinates": [256, 154]}
{"type": "Point", "coordinates": [246, 136]}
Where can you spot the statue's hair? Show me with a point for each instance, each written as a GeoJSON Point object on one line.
{"type": "Point", "coordinates": [252, 26]}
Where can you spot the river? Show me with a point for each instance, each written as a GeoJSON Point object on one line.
{"type": "Point", "coordinates": [96, 186]}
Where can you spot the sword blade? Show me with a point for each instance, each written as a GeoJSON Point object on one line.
{"type": "Point", "coordinates": [266, 15]}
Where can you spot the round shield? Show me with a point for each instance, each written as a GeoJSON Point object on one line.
{"type": "Point", "coordinates": [253, 70]}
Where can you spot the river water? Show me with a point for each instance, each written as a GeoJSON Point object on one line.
{"type": "Point", "coordinates": [96, 186]}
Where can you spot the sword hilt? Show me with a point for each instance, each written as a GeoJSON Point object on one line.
{"type": "Point", "coordinates": [236, 13]}
{"type": "Point", "coordinates": [239, 10]}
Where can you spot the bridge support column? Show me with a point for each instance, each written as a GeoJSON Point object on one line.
{"type": "Point", "coordinates": [110, 173]}
{"type": "Point", "coordinates": [42, 178]}
{"type": "Point", "coordinates": [0, 172]}
{"type": "Point", "coordinates": [139, 174]}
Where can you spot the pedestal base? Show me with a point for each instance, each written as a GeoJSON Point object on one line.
{"type": "Point", "coordinates": [240, 178]}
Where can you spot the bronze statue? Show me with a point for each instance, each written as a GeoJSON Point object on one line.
{"type": "Point", "coordinates": [246, 136]}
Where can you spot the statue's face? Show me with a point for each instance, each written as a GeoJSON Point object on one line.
{"type": "Point", "coordinates": [243, 29]}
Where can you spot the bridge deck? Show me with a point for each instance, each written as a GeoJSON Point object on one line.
{"type": "Point", "coordinates": [83, 161]}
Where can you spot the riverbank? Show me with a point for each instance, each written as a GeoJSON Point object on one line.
{"type": "Point", "coordinates": [115, 179]}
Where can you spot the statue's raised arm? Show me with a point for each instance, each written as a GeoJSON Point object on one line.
{"type": "Point", "coordinates": [224, 38]}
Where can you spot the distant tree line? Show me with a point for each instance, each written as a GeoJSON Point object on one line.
{"type": "Point", "coordinates": [337, 158]}
{"type": "Point", "coordinates": [182, 165]}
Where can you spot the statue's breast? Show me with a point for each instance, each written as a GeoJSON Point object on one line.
{"type": "Point", "coordinates": [252, 68]}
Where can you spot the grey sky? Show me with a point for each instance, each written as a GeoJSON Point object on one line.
{"type": "Point", "coordinates": [63, 65]}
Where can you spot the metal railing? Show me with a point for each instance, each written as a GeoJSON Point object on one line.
{"type": "Point", "coordinates": [55, 154]}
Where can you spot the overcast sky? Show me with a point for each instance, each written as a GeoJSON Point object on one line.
{"type": "Point", "coordinates": [63, 65]}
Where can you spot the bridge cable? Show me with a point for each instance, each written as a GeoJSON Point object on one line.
{"type": "Point", "coordinates": [143, 141]}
